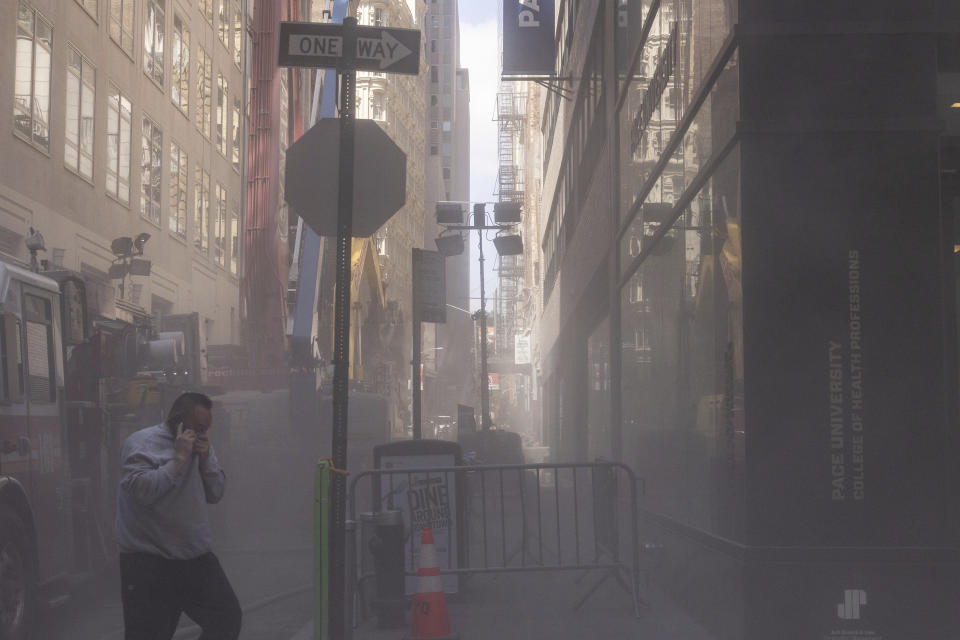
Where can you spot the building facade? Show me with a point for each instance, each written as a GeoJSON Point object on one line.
{"type": "Point", "coordinates": [749, 223]}
{"type": "Point", "coordinates": [396, 102]}
{"type": "Point", "coordinates": [125, 118]}
{"type": "Point", "coordinates": [449, 362]}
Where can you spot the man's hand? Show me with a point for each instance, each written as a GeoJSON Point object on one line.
{"type": "Point", "coordinates": [202, 446]}
{"type": "Point", "coordinates": [185, 444]}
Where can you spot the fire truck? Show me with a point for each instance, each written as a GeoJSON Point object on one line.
{"type": "Point", "coordinates": [71, 389]}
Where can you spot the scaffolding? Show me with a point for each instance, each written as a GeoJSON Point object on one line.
{"type": "Point", "coordinates": [511, 119]}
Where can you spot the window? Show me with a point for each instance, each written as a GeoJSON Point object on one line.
{"type": "Point", "coordinates": [11, 360]}
{"type": "Point", "coordinates": [220, 227]}
{"type": "Point", "coordinates": [204, 90]}
{"type": "Point", "coordinates": [435, 125]}
{"type": "Point", "coordinates": [221, 138]}
{"type": "Point", "coordinates": [434, 150]}
{"type": "Point", "coordinates": [206, 8]}
{"type": "Point", "coordinates": [180, 85]}
{"type": "Point", "coordinates": [91, 7]}
{"type": "Point", "coordinates": [434, 73]}
{"type": "Point", "coordinates": [31, 103]}
{"type": "Point", "coordinates": [237, 32]}
{"type": "Point", "coordinates": [178, 190]}
{"type": "Point", "coordinates": [235, 239]}
{"type": "Point", "coordinates": [41, 375]}
{"type": "Point", "coordinates": [201, 211]}
{"type": "Point", "coordinates": [235, 157]}
{"type": "Point", "coordinates": [446, 125]}
{"type": "Point", "coordinates": [151, 151]}
{"type": "Point", "coordinates": [433, 100]}
{"type": "Point", "coordinates": [153, 26]}
{"type": "Point", "coordinates": [379, 17]}
{"type": "Point", "coordinates": [78, 143]}
{"type": "Point", "coordinates": [118, 145]}
{"type": "Point", "coordinates": [223, 23]}
{"type": "Point", "coordinates": [121, 24]}
{"type": "Point", "coordinates": [433, 46]}
{"type": "Point", "coordinates": [377, 111]}
{"type": "Point", "coordinates": [446, 173]}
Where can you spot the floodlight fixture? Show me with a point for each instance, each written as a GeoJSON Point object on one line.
{"type": "Point", "coordinates": [122, 246]}
{"type": "Point", "coordinates": [656, 211]}
{"type": "Point", "coordinates": [479, 214]}
{"type": "Point", "coordinates": [140, 267]}
{"type": "Point", "coordinates": [507, 212]}
{"type": "Point", "coordinates": [451, 245]}
{"type": "Point", "coordinates": [140, 241]}
{"type": "Point", "coordinates": [118, 271]}
{"type": "Point", "coordinates": [450, 212]}
{"type": "Point", "coordinates": [34, 241]}
{"type": "Point", "coordinates": [508, 245]}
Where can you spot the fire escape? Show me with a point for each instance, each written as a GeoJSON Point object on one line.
{"type": "Point", "coordinates": [511, 115]}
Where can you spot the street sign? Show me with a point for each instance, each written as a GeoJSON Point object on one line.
{"type": "Point", "coordinates": [320, 44]}
{"type": "Point", "coordinates": [311, 183]}
{"type": "Point", "coordinates": [429, 286]}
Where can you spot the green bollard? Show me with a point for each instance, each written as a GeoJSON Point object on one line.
{"type": "Point", "coordinates": [321, 551]}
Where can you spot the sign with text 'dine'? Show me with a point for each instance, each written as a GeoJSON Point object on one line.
{"type": "Point", "coordinates": [320, 44]}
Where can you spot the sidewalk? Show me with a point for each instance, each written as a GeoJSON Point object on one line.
{"type": "Point", "coordinates": [539, 606]}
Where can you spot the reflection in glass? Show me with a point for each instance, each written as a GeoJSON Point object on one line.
{"type": "Point", "coordinates": [150, 154]}
{"type": "Point", "coordinates": [180, 85]}
{"type": "Point", "coordinates": [234, 239]}
{"type": "Point", "coordinates": [682, 362]}
{"type": "Point", "coordinates": [201, 211]}
{"type": "Point", "coordinates": [118, 145]}
{"type": "Point", "coordinates": [153, 31]}
{"type": "Point", "coordinates": [219, 227]}
{"type": "Point", "coordinates": [684, 40]}
{"type": "Point", "coordinates": [204, 91]}
{"type": "Point", "coordinates": [31, 104]}
{"type": "Point", "coordinates": [178, 190]}
{"type": "Point", "coordinates": [78, 143]}
{"type": "Point", "coordinates": [599, 439]}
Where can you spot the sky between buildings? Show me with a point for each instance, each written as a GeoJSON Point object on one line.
{"type": "Point", "coordinates": [479, 52]}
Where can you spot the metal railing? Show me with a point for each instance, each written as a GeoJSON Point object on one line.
{"type": "Point", "coordinates": [519, 517]}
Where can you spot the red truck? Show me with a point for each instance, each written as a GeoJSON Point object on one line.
{"type": "Point", "coordinates": [71, 388]}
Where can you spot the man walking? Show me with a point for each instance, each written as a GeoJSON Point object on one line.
{"type": "Point", "coordinates": [169, 475]}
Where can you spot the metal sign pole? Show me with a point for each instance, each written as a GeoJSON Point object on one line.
{"type": "Point", "coordinates": [417, 346]}
{"type": "Point", "coordinates": [484, 375]}
{"type": "Point", "coordinates": [341, 340]}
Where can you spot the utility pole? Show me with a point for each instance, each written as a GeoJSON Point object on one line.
{"type": "Point", "coordinates": [478, 223]}
{"type": "Point", "coordinates": [450, 215]}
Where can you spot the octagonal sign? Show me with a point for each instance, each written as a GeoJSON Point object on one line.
{"type": "Point", "coordinates": [313, 177]}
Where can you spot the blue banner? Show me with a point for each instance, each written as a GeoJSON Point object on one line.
{"type": "Point", "coordinates": [528, 38]}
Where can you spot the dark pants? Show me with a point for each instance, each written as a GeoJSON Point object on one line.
{"type": "Point", "coordinates": [155, 591]}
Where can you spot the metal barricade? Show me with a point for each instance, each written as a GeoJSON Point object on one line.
{"type": "Point", "coordinates": [523, 517]}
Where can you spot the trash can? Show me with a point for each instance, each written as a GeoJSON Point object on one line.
{"type": "Point", "coordinates": [386, 551]}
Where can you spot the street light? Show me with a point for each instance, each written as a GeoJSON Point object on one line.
{"type": "Point", "coordinates": [508, 245]}
{"type": "Point", "coordinates": [506, 214]}
{"type": "Point", "coordinates": [451, 245]}
{"type": "Point", "coordinates": [450, 212]}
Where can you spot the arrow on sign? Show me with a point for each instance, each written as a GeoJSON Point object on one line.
{"type": "Point", "coordinates": [386, 49]}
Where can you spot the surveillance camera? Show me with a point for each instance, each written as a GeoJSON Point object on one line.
{"type": "Point", "coordinates": [34, 241]}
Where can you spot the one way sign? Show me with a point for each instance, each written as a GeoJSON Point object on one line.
{"type": "Point", "coordinates": [317, 44]}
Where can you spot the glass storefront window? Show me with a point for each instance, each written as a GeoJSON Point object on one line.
{"type": "Point", "coordinates": [682, 362]}
{"type": "Point", "coordinates": [599, 439]}
{"type": "Point", "coordinates": [656, 210]}
{"type": "Point", "coordinates": [683, 43]}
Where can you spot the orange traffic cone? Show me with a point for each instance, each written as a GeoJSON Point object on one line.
{"type": "Point", "coordinates": [430, 619]}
